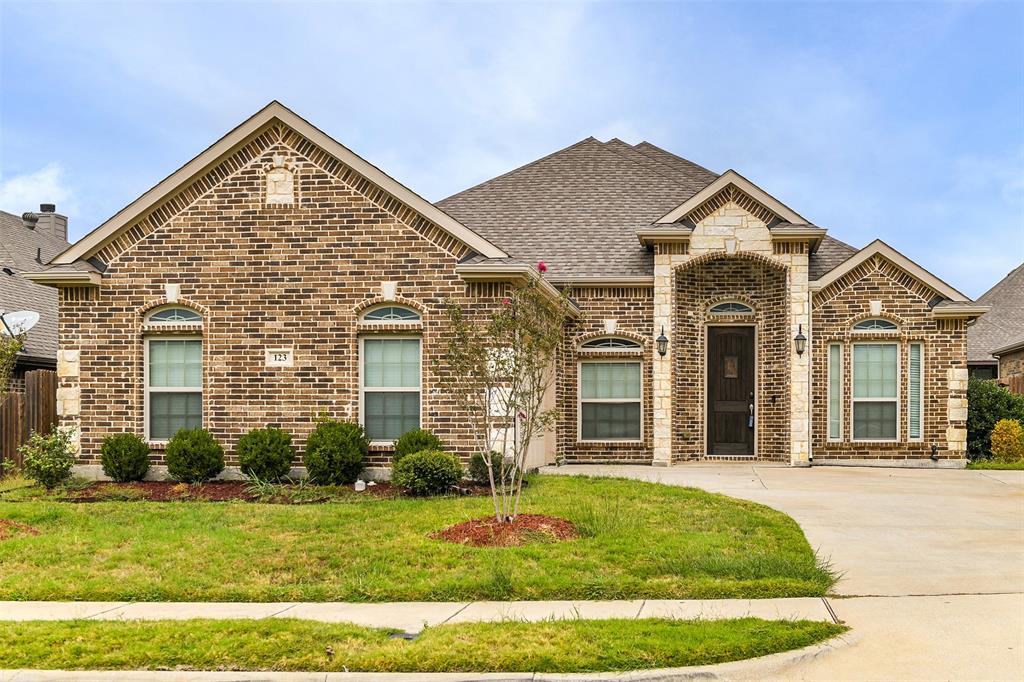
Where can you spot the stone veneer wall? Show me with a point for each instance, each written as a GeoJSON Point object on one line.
{"type": "Point", "coordinates": [903, 300]}
{"type": "Point", "coordinates": [630, 310]}
{"type": "Point", "coordinates": [1011, 364]}
{"type": "Point", "coordinates": [265, 275]}
{"type": "Point", "coordinates": [761, 284]}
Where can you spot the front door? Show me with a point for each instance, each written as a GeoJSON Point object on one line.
{"type": "Point", "coordinates": [730, 387]}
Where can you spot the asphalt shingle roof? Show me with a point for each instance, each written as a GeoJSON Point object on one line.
{"type": "Point", "coordinates": [18, 251]}
{"type": "Point", "coordinates": [1003, 323]}
{"type": "Point", "coordinates": [578, 208]}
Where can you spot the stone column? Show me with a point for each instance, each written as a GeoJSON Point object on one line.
{"type": "Point", "coordinates": [956, 413]}
{"type": "Point", "coordinates": [799, 365]}
{"type": "Point", "coordinates": [661, 381]}
{"type": "Point", "coordinates": [69, 393]}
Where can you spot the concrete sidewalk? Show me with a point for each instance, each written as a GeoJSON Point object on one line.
{"type": "Point", "coordinates": [414, 616]}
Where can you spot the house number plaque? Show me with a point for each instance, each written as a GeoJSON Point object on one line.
{"type": "Point", "coordinates": [279, 357]}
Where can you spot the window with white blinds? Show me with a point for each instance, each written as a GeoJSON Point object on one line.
{"type": "Point", "coordinates": [915, 393]}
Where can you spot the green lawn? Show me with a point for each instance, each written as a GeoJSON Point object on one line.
{"type": "Point", "coordinates": [993, 464]}
{"type": "Point", "coordinates": [639, 540]}
{"type": "Point", "coordinates": [562, 646]}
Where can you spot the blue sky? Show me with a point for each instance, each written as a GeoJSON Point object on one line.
{"type": "Point", "coordinates": [899, 121]}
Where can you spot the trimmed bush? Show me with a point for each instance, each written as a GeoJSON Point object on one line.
{"type": "Point", "coordinates": [265, 454]}
{"type": "Point", "coordinates": [194, 456]}
{"type": "Point", "coordinates": [430, 472]}
{"type": "Point", "coordinates": [48, 459]}
{"type": "Point", "coordinates": [478, 468]}
{"type": "Point", "coordinates": [1008, 441]}
{"type": "Point", "coordinates": [416, 440]}
{"type": "Point", "coordinates": [988, 403]}
{"type": "Point", "coordinates": [125, 457]}
{"type": "Point", "coordinates": [335, 452]}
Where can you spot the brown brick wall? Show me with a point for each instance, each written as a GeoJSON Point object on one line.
{"type": "Point", "coordinates": [267, 276]}
{"type": "Point", "coordinates": [761, 284]}
{"type": "Point", "coordinates": [632, 308]}
{"type": "Point", "coordinates": [904, 301]}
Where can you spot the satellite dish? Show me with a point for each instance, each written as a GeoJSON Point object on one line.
{"type": "Point", "coordinates": [18, 322]}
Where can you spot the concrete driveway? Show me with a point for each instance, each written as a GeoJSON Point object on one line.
{"type": "Point", "coordinates": [932, 560]}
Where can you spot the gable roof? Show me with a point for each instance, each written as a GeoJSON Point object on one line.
{"type": "Point", "coordinates": [1003, 324]}
{"type": "Point", "coordinates": [18, 250]}
{"type": "Point", "coordinates": [275, 111]}
{"type": "Point", "coordinates": [880, 248]}
{"type": "Point", "coordinates": [578, 208]}
{"type": "Point", "coordinates": [734, 179]}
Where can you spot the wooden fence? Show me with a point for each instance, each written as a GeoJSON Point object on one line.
{"type": "Point", "coordinates": [1015, 383]}
{"type": "Point", "coordinates": [23, 413]}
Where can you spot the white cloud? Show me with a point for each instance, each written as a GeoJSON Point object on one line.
{"type": "Point", "coordinates": [20, 193]}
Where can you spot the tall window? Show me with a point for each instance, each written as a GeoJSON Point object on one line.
{"type": "Point", "coordinates": [914, 394]}
{"type": "Point", "coordinates": [835, 392]}
{"type": "Point", "coordinates": [390, 387]}
{"type": "Point", "coordinates": [610, 401]}
{"type": "Point", "coordinates": [174, 386]}
{"type": "Point", "coordinates": [875, 391]}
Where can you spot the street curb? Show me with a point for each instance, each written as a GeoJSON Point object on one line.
{"type": "Point", "coordinates": [750, 669]}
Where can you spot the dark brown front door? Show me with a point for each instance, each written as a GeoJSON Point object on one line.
{"type": "Point", "coordinates": [730, 391]}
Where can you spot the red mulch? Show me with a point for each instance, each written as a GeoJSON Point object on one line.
{"type": "Point", "coordinates": [10, 528]}
{"type": "Point", "coordinates": [487, 532]}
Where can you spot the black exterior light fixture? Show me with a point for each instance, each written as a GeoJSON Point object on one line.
{"type": "Point", "coordinates": [800, 341]}
{"type": "Point", "coordinates": [662, 342]}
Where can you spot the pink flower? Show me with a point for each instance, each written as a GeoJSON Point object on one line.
{"type": "Point", "coordinates": [542, 267]}
{"type": "Point", "coordinates": [506, 301]}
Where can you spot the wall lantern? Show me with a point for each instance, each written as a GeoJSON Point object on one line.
{"type": "Point", "coordinates": [662, 342]}
{"type": "Point", "coordinates": [800, 341]}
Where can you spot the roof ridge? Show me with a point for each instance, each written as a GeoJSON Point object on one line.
{"type": "Point", "coordinates": [640, 146]}
{"type": "Point", "coordinates": [1004, 282]}
{"type": "Point", "coordinates": [519, 168]}
{"type": "Point", "coordinates": [670, 178]}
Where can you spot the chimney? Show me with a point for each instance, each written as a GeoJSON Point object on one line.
{"type": "Point", "coordinates": [48, 221]}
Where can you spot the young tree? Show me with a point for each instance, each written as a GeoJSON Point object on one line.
{"type": "Point", "coordinates": [10, 346]}
{"type": "Point", "coordinates": [499, 367]}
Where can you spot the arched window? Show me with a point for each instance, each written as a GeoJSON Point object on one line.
{"type": "Point", "coordinates": [173, 373]}
{"type": "Point", "coordinates": [391, 313]}
{"type": "Point", "coordinates": [176, 315]}
{"type": "Point", "coordinates": [731, 308]}
{"type": "Point", "coordinates": [875, 324]}
{"type": "Point", "coordinates": [611, 343]}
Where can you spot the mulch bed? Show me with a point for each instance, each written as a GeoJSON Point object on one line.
{"type": "Point", "coordinates": [487, 532]}
{"type": "Point", "coordinates": [9, 529]}
{"type": "Point", "coordinates": [213, 491]}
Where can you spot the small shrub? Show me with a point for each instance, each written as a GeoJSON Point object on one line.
{"type": "Point", "coordinates": [988, 403]}
{"type": "Point", "coordinates": [125, 457]}
{"type": "Point", "coordinates": [416, 440]}
{"type": "Point", "coordinates": [194, 456]}
{"type": "Point", "coordinates": [430, 472]}
{"type": "Point", "coordinates": [478, 468]}
{"type": "Point", "coordinates": [265, 454]}
{"type": "Point", "coordinates": [48, 459]}
{"type": "Point", "coordinates": [1007, 441]}
{"type": "Point", "coordinates": [335, 452]}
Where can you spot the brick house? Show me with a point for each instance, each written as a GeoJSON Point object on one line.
{"type": "Point", "coordinates": [995, 344]}
{"type": "Point", "coordinates": [278, 275]}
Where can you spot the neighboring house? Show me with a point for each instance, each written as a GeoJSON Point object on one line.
{"type": "Point", "coordinates": [999, 331]}
{"type": "Point", "coordinates": [27, 242]}
{"type": "Point", "coordinates": [278, 275]}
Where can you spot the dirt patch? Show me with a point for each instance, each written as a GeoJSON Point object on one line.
{"type": "Point", "coordinates": [487, 532]}
{"type": "Point", "coordinates": [10, 529]}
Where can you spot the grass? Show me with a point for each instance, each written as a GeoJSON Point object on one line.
{"type": "Point", "coordinates": [639, 541]}
{"type": "Point", "coordinates": [994, 464]}
{"type": "Point", "coordinates": [279, 644]}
